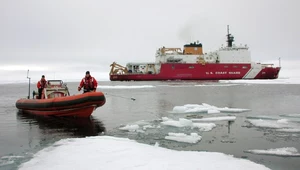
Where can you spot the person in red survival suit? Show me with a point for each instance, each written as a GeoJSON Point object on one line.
{"type": "Point", "coordinates": [88, 83]}
{"type": "Point", "coordinates": [41, 85]}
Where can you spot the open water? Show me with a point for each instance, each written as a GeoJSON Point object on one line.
{"type": "Point", "coordinates": [22, 135]}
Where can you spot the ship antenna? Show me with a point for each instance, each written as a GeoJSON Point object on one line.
{"type": "Point", "coordinates": [230, 38]}
{"type": "Point", "coordinates": [28, 84]}
{"type": "Point", "coordinates": [227, 29]}
{"type": "Point", "coordinates": [279, 62]}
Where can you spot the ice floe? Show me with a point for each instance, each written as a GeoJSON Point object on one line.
{"type": "Point", "coordinates": [204, 126]}
{"type": "Point", "coordinates": [259, 81]}
{"type": "Point", "coordinates": [180, 123]}
{"type": "Point", "coordinates": [177, 85]}
{"type": "Point", "coordinates": [182, 137]}
{"type": "Point", "coordinates": [282, 121]}
{"type": "Point", "coordinates": [292, 130]}
{"type": "Point", "coordinates": [263, 117]}
{"type": "Point", "coordinates": [287, 151]}
{"type": "Point", "coordinates": [219, 118]}
{"type": "Point", "coordinates": [291, 115]}
{"type": "Point", "coordinates": [281, 118]}
{"type": "Point", "coordinates": [187, 123]}
{"type": "Point", "coordinates": [205, 108]}
{"type": "Point", "coordinates": [139, 126]}
{"type": "Point", "coordinates": [7, 160]}
{"type": "Point", "coordinates": [232, 110]}
{"type": "Point", "coordinates": [280, 125]}
{"type": "Point", "coordinates": [277, 124]}
{"type": "Point", "coordinates": [213, 111]}
{"type": "Point", "coordinates": [148, 127]}
{"type": "Point", "coordinates": [216, 85]}
{"type": "Point", "coordinates": [130, 128]}
{"type": "Point", "coordinates": [105, 152]}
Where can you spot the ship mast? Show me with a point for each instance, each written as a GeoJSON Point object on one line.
{"type": "Point", "coordinates": [279, 62]}
{"type": "Point", "coordinates": [230, 38]}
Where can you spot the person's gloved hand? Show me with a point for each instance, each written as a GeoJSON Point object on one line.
{"type": "Point", "coordinates": [79, 88]}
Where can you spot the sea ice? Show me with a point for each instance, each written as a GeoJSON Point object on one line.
{"type": "Point", "coordinates": [292, 130]}
{"type": "Point", "coordinates": [291, 115]}
{"type": "Point", "coordinates": [288, 151]}
{"type": "Point", "coordinates": [130, 128]}
{"type": "Point", "coordinates": [181, 137]}
{"type": "Point", "coordinates": [188, 123]}
{"type": "Point", "coordinates": [270, 123]}
{"type": "Point", "coordinates": [220, 118]}
{"type": "Point", "coordinates": [105, 152]}
{"type": "Point", "coordinates": [205, 108]}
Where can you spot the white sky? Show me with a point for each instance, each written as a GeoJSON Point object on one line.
{"type": "Point", "coordinates": [64, 36]}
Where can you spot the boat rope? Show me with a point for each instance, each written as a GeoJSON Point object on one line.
{"type": "Point", "coordinates": [131, 98]}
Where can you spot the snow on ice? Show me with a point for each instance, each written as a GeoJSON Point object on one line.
{"type": "Point", "coordinates": [205, 108]}
{"type": "Point", "coordinates": [105, 152]}
{"type": "Point", "coordinates": [182, 137]}
{"type": "Point", "coordinates": [217, 118]}
{"type": "Point", "coordinates": [187, 123]}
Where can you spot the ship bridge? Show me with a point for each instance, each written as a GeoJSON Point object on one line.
{"type": "Point", "coordinates": [193, 53]}
{"type": "Point", "coordinates": [189, 54]}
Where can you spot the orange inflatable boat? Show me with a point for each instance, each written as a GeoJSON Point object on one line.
{"type": "Point", "coordinates": [56, 101]}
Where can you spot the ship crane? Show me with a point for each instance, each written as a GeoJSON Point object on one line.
{"type": "Point", "coordinates": [117, 69]}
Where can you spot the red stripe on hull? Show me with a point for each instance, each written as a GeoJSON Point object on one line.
{"type": "Point", "coordinates": [196, 72]}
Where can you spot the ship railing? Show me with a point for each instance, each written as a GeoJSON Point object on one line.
{"type": "Point", "coordinates": [170, 50]}
{"type": "Point", "coordinates": [147, 68]}
{"type": "Point", "coordinates": [133, 68]}
{"type": "Point", "coordinates": [267, 65]}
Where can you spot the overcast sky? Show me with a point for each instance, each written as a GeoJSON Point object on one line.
{"type": "Point", "coordinates": [72, 36]}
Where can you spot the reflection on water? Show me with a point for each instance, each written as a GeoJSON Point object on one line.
{"type": "Point", "coordinates": [32, 133]}
{"type": "Point", "coordinates": [78, 127]}
{"type": "Point", "coordinates": [229, 124]}
{"type": "Point", "coordinates": [22, 134]}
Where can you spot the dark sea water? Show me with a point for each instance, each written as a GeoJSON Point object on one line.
{"type": "Point", "coordinates": [22, 135]}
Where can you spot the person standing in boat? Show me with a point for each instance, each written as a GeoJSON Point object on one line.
{"type": "Point", "coordinates": [88, 83]}
{"type": "Point", "coordinates": [41, 85]}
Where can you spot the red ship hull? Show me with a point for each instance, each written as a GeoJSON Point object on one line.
{"type": "Point", "coordinates": [179, 71]}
